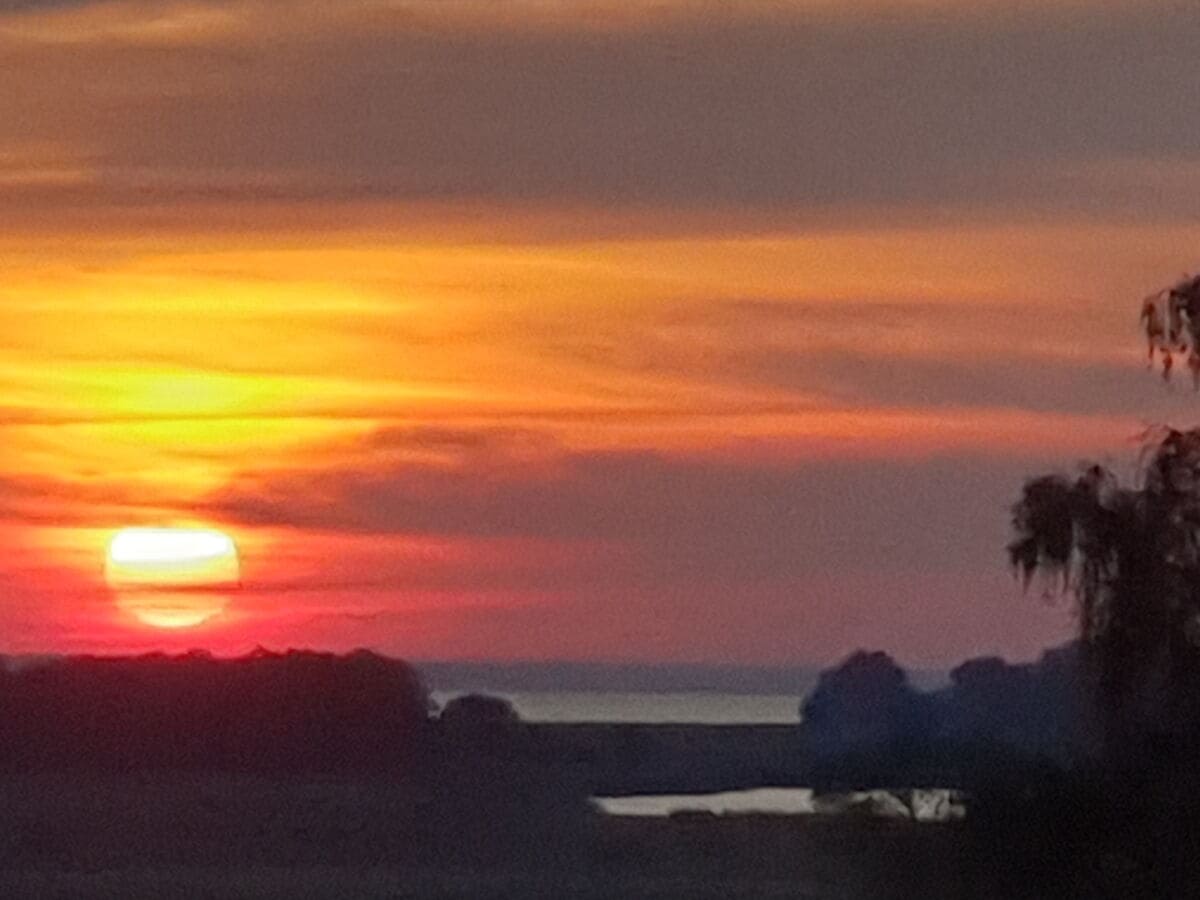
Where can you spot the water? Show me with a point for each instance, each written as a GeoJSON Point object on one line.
{"type": "Point", "coordinates": [697, 707]}
{"type": "Point", "coordinates": [650, 694]}
{"type": "Point", "coordinates": [789, 801]}
{"type": "Point", "coordinates": [920, 805]}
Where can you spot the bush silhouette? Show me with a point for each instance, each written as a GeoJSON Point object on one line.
{"type": "Point", "coordinates": [267, 713]}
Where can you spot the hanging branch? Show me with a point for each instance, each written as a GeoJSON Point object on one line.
{"type": "Point", "coordinates": [1171, 321]}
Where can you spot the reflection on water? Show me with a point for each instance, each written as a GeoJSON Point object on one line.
{"type": "Point", "coordinates": [791, 801]}
{"type": "Point", "coordinates": [172, 609]}
{"type": "Point", "coordinates": [917, 804]}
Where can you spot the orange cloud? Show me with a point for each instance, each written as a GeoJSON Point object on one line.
{"type": "Point", "coordinates": [570, 308]}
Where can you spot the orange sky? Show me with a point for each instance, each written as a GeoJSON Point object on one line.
{"type": "Point", "coordinates": [577, 330]}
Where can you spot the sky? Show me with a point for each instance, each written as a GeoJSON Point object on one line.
{"type": "Point", "coordinates": [672, 331]}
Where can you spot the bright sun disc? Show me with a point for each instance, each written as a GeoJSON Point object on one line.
{"type": "Point", "coordinates": [172, 577]}
{"type": "Point", "coordinates": [168, 544]}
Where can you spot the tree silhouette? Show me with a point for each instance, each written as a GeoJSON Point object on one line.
{"type": "Point", "coordinates": [1129, 555]}
{"type": "Point", "coordinates": [479, 712]}
{"type": "Point", "coordinates": [1171, 321]}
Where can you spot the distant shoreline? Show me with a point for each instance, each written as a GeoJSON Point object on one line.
{"type": "Point", "coordinates": [642, 707]}
{"type": "Point", "coordinates": [634, 678]}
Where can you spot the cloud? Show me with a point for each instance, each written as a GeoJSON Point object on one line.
{"type": "Point", "coordinates": [24, 6]}
{"type": "Point", "coordinates": [783, 110]}
{"type": "Point", "coordinates": [880, 379]}
{"type": "Point", "coordinates": [670, 557]}
{"type": "Point", "coordinates": [264, 117]}
{"type": "Point", "coordinates": [883, 354]}
{"type": "Point", "coordinates": [39, 499]}
{"type": "Point", "coordinates": [671, 518]}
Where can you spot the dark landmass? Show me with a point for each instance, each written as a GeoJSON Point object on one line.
{"type": "Point", "coordinates": [310, 774]}
{"type": "Point", "coordinates": [864, 726]}
{"type": "Point", "coordinates": [264, 713]}
{"type": "Point", "coordinates": [247, 837]}
{"type": "Point", "coordinates": [621, 758]}
{"type": "Point", "coordinates": [305, 712]}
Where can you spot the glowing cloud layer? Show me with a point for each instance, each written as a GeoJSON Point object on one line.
{"type": "Point", "coordinates": [609, 330]}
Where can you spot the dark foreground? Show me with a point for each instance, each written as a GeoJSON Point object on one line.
{"type": "Point", "coordinates": [185, 836]}
{"type": "Point", "coordinates": [312, 775]}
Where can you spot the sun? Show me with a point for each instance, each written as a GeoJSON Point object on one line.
{"type": "Point", "coordinates": [172, 577]}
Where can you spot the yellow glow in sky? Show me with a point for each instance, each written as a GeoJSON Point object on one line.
{"type": "Point", "coordinates": [467, 314]}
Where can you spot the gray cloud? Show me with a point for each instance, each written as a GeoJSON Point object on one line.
{"type": "Point", "coordinates": [797, 109]}
{"type": "Point", "coordinates": [20, 6]}
{"type": "Point", "coordinates": [877, 379]}
{"type": "Point", "coordinates": [669, 519]}
{"type": "Point", "coordinates": [861, 354]}
{"type": "Point", "coordinates": [686, 558]}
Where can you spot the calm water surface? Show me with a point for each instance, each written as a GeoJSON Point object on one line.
{"type": "Point", "coordinates": [695, 707]}
{"type": "Point", "coordinates": [790, 801]}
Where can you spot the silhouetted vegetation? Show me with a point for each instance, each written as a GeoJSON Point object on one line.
{"type": "Point", "coordinates": [1082, 768]}
{"type": "Point", "coordinates": [343, 761]}
{"type": "Point", "coordinates": [269, 759]}
{"type": "Point", "coordinates": [1128, 555]}
{"type": "Point", "coordinates": [865, 701]}
{"type": "Point", "coordinates": [267, 713]}
{"type": "Point", "coordinates": [479, 713]}
{"type": "Point", "coordinates": [1171, 320]}
{"type": "Point", "coordinates": [866, 726]}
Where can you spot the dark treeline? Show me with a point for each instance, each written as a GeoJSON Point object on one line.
{"type": "Point", "coordinates": [272, 758]}
{"type": "Point", "coordinates": [866, 725]}
{"type": "Point", "coordinates": [313, 759]}
{"type": "Point", "coordinates": [471, 781]}
{"type": "Point", "coordinates": [282, 757]}
{"type": "Point", "coordinates": [264, 713]}
{"type": "Point", "coordinates": [302, 713]}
